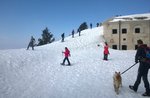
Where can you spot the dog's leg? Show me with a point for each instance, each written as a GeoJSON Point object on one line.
{"type": "Point", "coordinates": [115, 87]}
{"type": "Point", "coordinates": [117, 90]}
{"type": "Point", "coordinates": [121, 83]}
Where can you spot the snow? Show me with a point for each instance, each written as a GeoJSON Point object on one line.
{"type": "Point", "coordinates": [133, 17]}
{"type": "Point", "coordinates": [38, 74]}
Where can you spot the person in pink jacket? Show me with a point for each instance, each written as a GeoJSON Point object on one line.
{"type": "Point", "coordinates": [106, 51]}
{"type": "Point", "coordinates": [67, 54]}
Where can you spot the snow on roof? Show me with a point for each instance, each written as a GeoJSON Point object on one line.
{"type": "Point", "coordinates": [134, 17]}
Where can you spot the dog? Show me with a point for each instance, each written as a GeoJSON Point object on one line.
{"type": "Point", "coordinates": [117, 80]}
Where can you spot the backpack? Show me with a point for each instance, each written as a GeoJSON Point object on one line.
{"type": "Point", "coordinates": [147, 56]}
{"type": "Point", "coordinates": [147, 52]}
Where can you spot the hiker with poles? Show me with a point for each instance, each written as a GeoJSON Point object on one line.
{"type": "Point", "coordinates": [67, 54]}
{"type": "Point", "coordinates": [142, 70]}
{"type": "Point", "coordinates": [31, 43]}
{"type": "Point", "coordinates": [62, 36]}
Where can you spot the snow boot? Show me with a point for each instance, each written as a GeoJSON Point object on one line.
{"type": "Point", "coordinates": [69, 64]}
{"type": "Point", "coordinates": [146, 94]}
{"type": "Point", "coordinates": [62, 63]}
{"type": "Point", "coordinates": [132, 88]}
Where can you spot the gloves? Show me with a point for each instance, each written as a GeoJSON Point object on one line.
{"type": "Point", "coordinates": [136, 61]}
{"type": "Point", "coordinates": [143, 60]}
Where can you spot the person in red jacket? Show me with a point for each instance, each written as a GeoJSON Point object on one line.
{"type": "Point", "coordinates": [106, 51]}
{"type": "Point", "coordinates": [67, 54]}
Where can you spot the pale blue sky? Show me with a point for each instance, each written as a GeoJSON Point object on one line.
{"type": "Point", "coordinates": [20, 19]}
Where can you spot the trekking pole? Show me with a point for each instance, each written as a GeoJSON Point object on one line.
{"type": "Point", "coordinates": [129, 68]}
{"type": "Point", "coordinates": [62, 54]}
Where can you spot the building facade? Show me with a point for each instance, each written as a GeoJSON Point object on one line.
{"type": "Point", "coordinates": [122, 33]}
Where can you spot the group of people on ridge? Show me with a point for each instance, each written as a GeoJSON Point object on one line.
{"type": "Point", "coordinates": [72, 33]}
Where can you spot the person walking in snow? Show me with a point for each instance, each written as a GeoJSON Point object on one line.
{"type": "Point", "coordinates": [97, 24]}
{"type": "Point", "coordinates": [31, 43]}
{"type": "Point", "coordinates": [142, 70]}
{"type": "Point", "coordinates": [67, 54]}
{"type": "Point", "coordinates": [106, 51]}
{"type": "Point", "coordinates": [91, 25]}
{"type": "Point", "coordinates": [62, 36]}
{"type": "Point", "coordinates": [79, 32]}
{"type": "Point", "coordinates": [72, 33]}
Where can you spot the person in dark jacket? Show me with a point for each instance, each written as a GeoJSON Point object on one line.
{"type": "Point", "coordinates": [97, 24]}
{"type": "Point", "coordinates": [91, 25]}
{"type": "Point", "coordinates": [67, 54]}
{"type": "Point", "coordinates": [79, 32]}
{"type": "Point", "coordinates": [31, 43]}
{"type": "Point", "coordinates": [72, 33]}
{"type": "Point", "coordinates": [142, 70]}
{"type": "Point", "coordinates": [62, 36]}
{"type": "Point", "coordinates": [106, 51]}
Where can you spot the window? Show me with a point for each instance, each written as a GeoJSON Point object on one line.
{"type": "Point", "coordinates": [114, 31]}
{"type": "Point", "coordinates": [124, 47]}
{"type": "Point", "coordinates": [140, 18]}
{"type": "Point", "coordinates": [114, 46]}
{"type": "Point", "coordinates": [124, 31]}
{"type": "Point", "coordinates": [137, 30]}
{"type": "Point", "coordinates": [124, 39]}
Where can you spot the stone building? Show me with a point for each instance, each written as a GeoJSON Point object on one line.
{"type": "Point", "coordinates": [122, 32]}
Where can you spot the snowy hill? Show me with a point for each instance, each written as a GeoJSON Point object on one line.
{"type": "Point", "coordinates": [38, 74]}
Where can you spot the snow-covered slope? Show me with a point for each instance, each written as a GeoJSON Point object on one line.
{"type": "Point", "coordinates": [38, 73]}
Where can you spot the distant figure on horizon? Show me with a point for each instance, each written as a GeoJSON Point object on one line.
{"type": "Point", "coordinates": [63, 36]}
{"type": "Point", "coordinates": [72, 33]}
{"type": "Point", "coordinates": [79, 32]}
{"type": "Point", "coordinates": [97, 24]}
{"type": "Point", "coordinates": [31, 43]}
{"type": "Point", "coordinates": [91, 25]}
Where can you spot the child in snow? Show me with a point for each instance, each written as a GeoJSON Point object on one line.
{"type": "Point", "coordinates": [106, 51]}
{"type": "Point", "coordinates": [67, 54]}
